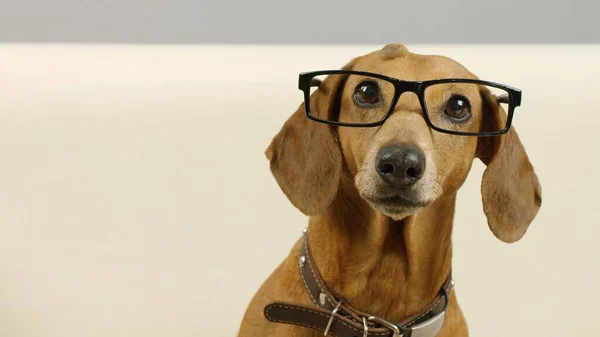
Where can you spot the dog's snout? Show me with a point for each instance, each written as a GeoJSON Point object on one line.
{"type": "Point", "coordinates": [400, 164]}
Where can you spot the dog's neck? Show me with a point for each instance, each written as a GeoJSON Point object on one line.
{"type": "Point", "coordinates": [388, 268]}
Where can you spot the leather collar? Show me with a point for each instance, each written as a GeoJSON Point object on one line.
{"type": "Point", "coordinates": [336, 317]}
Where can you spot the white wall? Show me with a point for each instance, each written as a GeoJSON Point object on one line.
{"type": "Point", "coordinates": [306, 21]}
{"type": "Point", "coordinates": [135, 199]}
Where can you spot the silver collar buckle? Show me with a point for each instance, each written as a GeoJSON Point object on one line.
{"type": "Point", "coordinates": [335, 310]}
{"type": "Point", "coordinates": [398, 332]}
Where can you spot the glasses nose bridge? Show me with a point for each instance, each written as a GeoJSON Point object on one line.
{"type": "Point", "coordinates": [403, 87]}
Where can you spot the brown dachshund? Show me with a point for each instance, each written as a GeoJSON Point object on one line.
{"type": "Point", "coordinates": [381, 199]}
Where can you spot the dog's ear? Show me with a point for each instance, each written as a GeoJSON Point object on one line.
{"type": "Point", "coordinates": [305, 156]}
{"type": "Point", "coordinates": [510, 189]}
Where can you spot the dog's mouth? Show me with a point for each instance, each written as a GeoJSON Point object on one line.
{"type": "Point", "coordinates": [397, 206]}
{"type": "Point", "coordinates": [397, 201]}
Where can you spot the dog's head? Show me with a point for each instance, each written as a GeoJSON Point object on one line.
{"type": "Point", "coordinates": [403, 165]}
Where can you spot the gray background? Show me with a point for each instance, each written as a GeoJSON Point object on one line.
{"type": "Point", "coordinates": [300, 21]}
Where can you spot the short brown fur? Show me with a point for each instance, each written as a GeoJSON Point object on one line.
{"type": "Point", "coordinates": [389, 266]}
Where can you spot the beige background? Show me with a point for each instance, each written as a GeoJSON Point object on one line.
{"type": "Point", "coordinates": [135, 199]}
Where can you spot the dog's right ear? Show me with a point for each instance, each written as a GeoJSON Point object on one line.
{"type": "Point", "coordinates": [305, 156]}
{"type": "Point", "coordinates": [510, 189]}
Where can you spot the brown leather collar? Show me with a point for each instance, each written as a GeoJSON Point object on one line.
{"type": "Point", "coordinates": [335, 316]}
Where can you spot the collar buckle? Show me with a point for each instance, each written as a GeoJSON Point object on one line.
{"type": "Point", "coordinates": [326, 332]}
{"type": "Point", "coordinates": [398, 331]}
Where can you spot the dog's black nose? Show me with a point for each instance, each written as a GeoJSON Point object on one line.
{"type": "Point", "coordinates": [400, 164]}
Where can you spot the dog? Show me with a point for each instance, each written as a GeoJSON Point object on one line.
{"type": "Point", "coordinates": [381, 202]}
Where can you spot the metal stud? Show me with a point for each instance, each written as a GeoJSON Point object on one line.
{"type": "Point", "coordinates": [304, 230]}
{"type": "Point", "coordinates": [302, 261]}
{"type": "Point", "coordinates": [322, 298]}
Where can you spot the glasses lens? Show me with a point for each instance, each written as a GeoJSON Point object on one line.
{"type": "Point", "coordinates": [361, 99]}
{"type": "Point", "coordinates": [457, 106]}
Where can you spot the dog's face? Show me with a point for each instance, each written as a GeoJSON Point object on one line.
{"type": "Point", "coordinates": [403, 165]}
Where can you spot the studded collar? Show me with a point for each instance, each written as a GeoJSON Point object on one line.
{"type": "Point", "coordinates": [336, 317]}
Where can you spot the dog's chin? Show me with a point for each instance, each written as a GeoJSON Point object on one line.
{"type": "Point", "coordinates": [397, 207]}
{"type": "Point", "coordinates": [399, 216]}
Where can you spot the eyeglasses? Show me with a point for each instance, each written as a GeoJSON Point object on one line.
{"type": "Point", "coordinates": [448, 105]}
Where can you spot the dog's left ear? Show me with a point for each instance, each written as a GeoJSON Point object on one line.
{"type": "Point", "coordinates": [305, 157]}
{"type": "Point", "coordinates": [510, 189]}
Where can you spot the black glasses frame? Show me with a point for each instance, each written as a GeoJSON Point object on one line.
{"type": "Point", "coordinates": [417, 87]}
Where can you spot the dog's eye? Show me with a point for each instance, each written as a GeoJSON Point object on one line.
{"type": "Point", "coordinates": [366, 93]}
{"type": "Point", "coordinates": [458, 108]}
